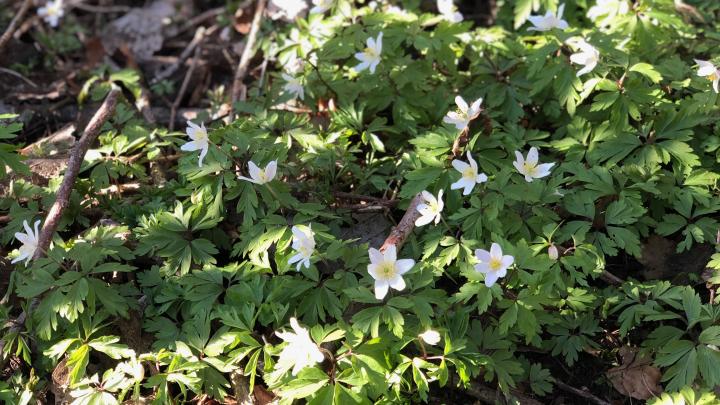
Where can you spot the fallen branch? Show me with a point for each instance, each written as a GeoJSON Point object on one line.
{"type": "Point", "coordinates": [77, 156]}
{"type": "Point", "coordinates": [247, 54]}
{"type": "Point", "coordinates": [581, 393]}
{"type": "Point", "coordinates": [400, 233]}
{"type": "Point", "coordinates": [14, 23]}
{"type": "Point", "coordinates": [52, 219]}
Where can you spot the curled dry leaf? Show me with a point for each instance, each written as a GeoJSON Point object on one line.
{"type": "Point", "coordinates": [142, 30]}
{"type": "Point", "coordinates": [636, 376]}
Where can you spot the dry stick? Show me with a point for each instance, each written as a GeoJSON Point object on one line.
{"type": "Point", "coordinates": [77, 156]}
{"type": "Point", "coordinates": [52, 219]}
{"type": "Point", "coordinates": [611, 278]}
{"type": "Point", "coordinates": [247, 54]}
{"type": "Point", "coordinates": [183, 88]}
{"type": "Point", "coordinates": [405, 227]}
{"type": "Point", "coordinates": [18, 75]}
{"type": "Point", "coordinates": [14, 23]}
{"type": "Point", "coordinates": [581, 393]}
{"type": "Point", "coordinates": [167, 72]}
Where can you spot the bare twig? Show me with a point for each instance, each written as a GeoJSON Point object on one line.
{"type": "Point", "coordinates": [200, 34]}
{"type": "Point", "coordinates": [52, 219]}
{"type": "Point", "coordinates": [405, 227]}
{"type": "Point", "coordinates": [201, 18]}
{"type": "Point", "coordinates": [183, 88]}
{"type": "Point", "coordinates": [581, 393]}
{"type": "Point", "coordinates": [611, 278]}
{"type": "Point", "coordinates": [77, 156]}
{"type": "Point", "coordinates": [18, 75]}
{"type": "Point", "coordinates": [14, 23]}
{"type": "Point", "coordinates": [247, 54]}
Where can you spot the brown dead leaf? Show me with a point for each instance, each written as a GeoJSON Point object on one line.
{"type": "Point", "coordinates": [94, 51]}
{"type": "Point", "coordinates": [636, 377]}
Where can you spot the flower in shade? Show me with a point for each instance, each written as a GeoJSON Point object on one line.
{"type": "Point", "coordinates": [370, 57]}
{"type": "Point", "coordinates": [470, 175]}
{"type": "Point", "coordinates": [464, 114]}
{"type": "Point", "coordinates": [293, 85]}
{"type": "Point", "coordinates": [52, 12]}
{"type": "Point", "coordinates": [431, 209]}
{"type": "Point", "coordinates": [300, 351]}
{"type": "Point", "coordinates": [553, 252]}
{"type": "Point", "coordinates": [448, 11]}
{"type": "Point", "coordinates": [493, 264]}
{"type": "Point", "coordinates": [321, 6]}
{"type": "Point", "coordinates": [29, 241]}
{"type": "Point", "coordinates": [708, 70]}
{"type": "Point", "coordinates": [387, 270]}
{"type": "Point", "coordinates": [548, 21]}
{"type": "Point", "coordinates": [261, 176]}
{"type": "Point", "coordinates": [430, 337]}
{"type": "Point", "coordinates": [199, 140]}
{"type": "Point", "coordinates": [529, 166]}
{"type": "Point", "coordinates": [588, 57]}
{"type": "Point", "coordinates": [304, 244]}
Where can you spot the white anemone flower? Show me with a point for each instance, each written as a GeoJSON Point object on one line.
{"type": "Point", "coordinates": [304, 244]}
{"type": "Point", "coordinates": [448, 11]}
{"type": "Point", "coordinates": [321, 6]}
{"type": "Point", "coordinates": [294, 86]}
{"type": "Point", "coordinates": [588, 57]}
{"type": "Point", "coordinates": [493, 264]}
{"type": "Point", "coordinates": [431, 209]}
{"type": "Point", "coordinates": [529, 166]}
{"type": "Point", "coordinates": [387, 270]}
{"type": "Point", "coordinates": [470, 175]}
{"type": "Point", "coordinates": [199, 140]}
{"type": "Point", "coordinates": [370, 57]}
{"type": "Point", "coordinates": [300, 351]}
{"type": "Point", "coordinates": [707, 69]}
{"type": "Point", "coordinates": [52, 12]}
{"type": "Point", "coordinates": [548, 21]}
{"type": "Point", "coordinates": [29, 241]}
{"type": "Point", "coordinates": [608, 9]}
{"type": "Point", "coordinates": [261, 176]}
{"type": "Point", "coordinates": [430, 337]}
{"type": "Point", "coordinates": [286, 9]}
{"type": "Point", "coordinates": [464, 114]}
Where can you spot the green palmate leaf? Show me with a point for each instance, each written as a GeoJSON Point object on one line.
{"type": "Point", "coordinates": [646, 70]}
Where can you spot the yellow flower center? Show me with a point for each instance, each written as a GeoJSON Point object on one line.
{"type": "Point", "coordinates": [495, 264]}
{"type": "Point", "coordinates": [52, 10]}
{"type": "Point", "coordinates": [371, 53]}
{"type": "Point", "coordinates": [712, 77]}
{"type": "Point", "coordinates": [469, 173]}
{"type": "Point", "coordinates": [387, 270]}
{"type": "Point", "coordinates": [201, 135]}
{"type": "Point", "coordinates": [306, 250]}
{"type": "Point", "coordinates": [263, 177]}
{"type": "Point", "coordinates": [530, 169]}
